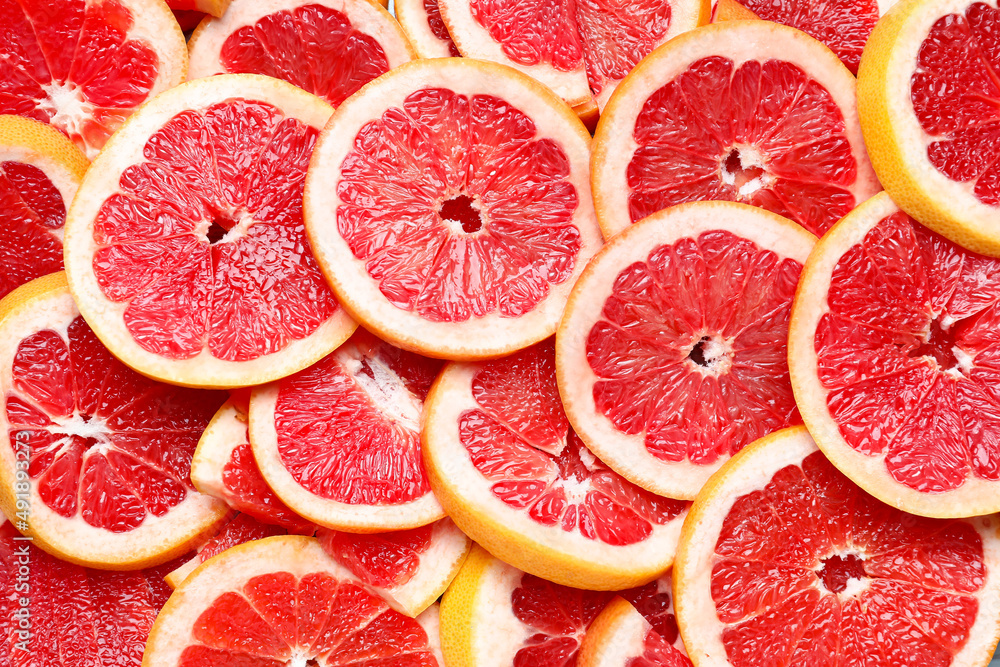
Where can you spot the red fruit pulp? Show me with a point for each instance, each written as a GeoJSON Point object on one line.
{"type": "Point", "coordinates": [240, 529]}
{"type": "Point", "coordinates": [31, 209]}
{"type": "Point", "coordinates": [382, 559]}
{"type": "Point", "coordinates": [438, 27]}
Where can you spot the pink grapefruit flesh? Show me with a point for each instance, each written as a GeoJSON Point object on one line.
{"type": "Point", "coordinates": [31, 211]}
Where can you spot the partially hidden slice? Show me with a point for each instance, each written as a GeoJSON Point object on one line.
{"type": "Point", "coordinates": [210, 7]}
{"type": "Point", "coordinates": [84, 66]}
{"type": "Point", "coordinates": [515, 477]}
{"type": "Point", "coordinates": [97, 465]}
{"type": "Point", "coordinates": [282, 601]}
{"type": "Point", "coordinates": [40, 170]}
{"type": "Point", "coordinates": [895, 362]}
{"type": "Point", "coordinates": [409, 569]}
{"type": "Point", "coordinates": [927, 93]}
{"type": "Point", "coordinates": [784, 561]}
{"type": "Point", "coordinates": [339, 442]}
{"type": "Point", "coordinates": [672, 354]}
{"type": "Point", "coordinates": [421, 21]}
{"type": "Point", "coordinates": [328, 47]}
{"type": "Point", "coordinates": [747, 111]}
{"type": "Point", "coordinates": [185, 246]}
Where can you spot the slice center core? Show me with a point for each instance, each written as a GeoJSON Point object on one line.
{"type": "Point", "coordinates": [461, 212]}
{"type": "Point", "coordinates": [385, 388]}
{"type": "Point", "coordinates": [70, 111]}
{"type": "Point", "coordinates": [842, 573]}
{"type": "Point", "coordinates": [711, 355]}
{"type": "Point", "coordinates": [939, 346]}
{"type": "Point", "coordinates": [743, 168]}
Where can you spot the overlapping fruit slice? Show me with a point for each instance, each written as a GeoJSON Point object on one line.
{"type": "Point", "coordinates": [40, 170]}
{"type": "Point", "coordinates": [328, 47]}
{"type": "Point", "coordinates": [927, 92]}
{"type": "Point", "coordinates": [85, 66]}
{"type": "Point", "coordinates": [339, 442]}
{"type": "Point", "coordinates": [672, 353]}
{"type": "Point", "coordinates": [450, 220]}
{"type": "Point", "coordinates": [892, 350]}
{"type": "Point", "coordinates": [517, 479]}
{"type": "Point", "coordinates": [747, 111]}
{"type": "Point", "coordinates": [211, 7]}
{"type": "Point", "coordinates": [282, 601]}
{"type": "Point", "coordinates": [425, 29]}
{"type": "Point", "coordinates": [185, 246]}
{"type": "Point", "coordinates": [98, 458]}
{"type": "Point", "coordinates": [785, 561]}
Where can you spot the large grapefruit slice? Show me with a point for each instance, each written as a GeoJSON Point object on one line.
{"type": "Point", "coordinates": [282, 601]}
{"type": "Point", "coordinates": [339, 442]}
{"type": "Point", "coordinates": [40, 170]}
{"type": "Point", "coordinates": [515, 477]}
{"type": "Point", "coordinates": [185, 248]}
{"type": "Point", "coordinates": [422, 23]}
{"type": "Point", "coordinates": [448, 204]}
{"type": "Point", "coordinates": [748, 111]}
{"type": "Point", "coordinates": [97, 465]}
{"type": "Point", "coordinates": [85, 66]}
{"type": "Point", "coordinates": [784, 561]}
{"type": "Point", "coordinates": [891, 349]}
{"type": "Point", "coordinates": [672, 353]}
{"type": "Point", "coordinates": [927, 93]}
{"type": "Point", "coordinates": [329, 47]}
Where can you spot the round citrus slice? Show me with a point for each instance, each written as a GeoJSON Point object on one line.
{"type": "Point", "coordinates": [185, 246]}
{"type": "Point", "coordinates": [329, 47]}
{"type": "Point", "coordinates": [282, 601]}
{"type": "Point", "coordinates": [748, 111]}
{"type": "Point", "coordinates": [448, 204]}
{"type": "Point", "coordinates": [210, 7]}
{"type": "Point", "coordinates": [515, 477]}
{"type": "Point", "coordinates": [339, 442]}
{"type": "Point", "coordinates": [98, 462]}
{"type": "Point", "coordinates": [422, 23]}
{"type": "Point", "coordinates": [891, 353]}
{"type": "Point", "coordinates": [784, 561]}
{"type": "Point", "coordinates": [224, 467]}
{"type": "Point", "coordinates": [40, 170]}
{"type": "Point", "coordinates": [927, 92]}
{"type": "Point", "coordinates": [85, 66]}
{"type": "Point", "coordinates": [409, 569]}
{"type": "Point", "coordinates": [672, 353]}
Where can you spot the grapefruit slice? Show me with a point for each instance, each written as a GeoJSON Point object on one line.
{"type": "Point", "coordinates": [40, 170]}
{"type": "Point", "coordinates": [516, 478]}
{"type": "Point", "coordinates": [224, 467]}
{"type": "Point", "coordinates": [210, 7]}
{"type": "Point", "coordinates": [282, 601]}
{"type": "Point", "coordinates": [784, 561]}
{"type": "Point", "coordinates": [85, 66]}
{"type": "Point", "coordinates": [98, 462]}
{"type": "Point", "coordinates": [339, 442]}
{"type": "Point", "coordinates": [672, 353]}
{"type": "Point", "coordinates": [409, 569]}
{"type": "Point", "coordinates": [448, 204]}
{"type": "Point", "coordinates": [622, 636]}
{"type": "Point", "coordinates": [579, 49]}
{"type": "Point", "coordinates": [927, 93]}
{"type": "Point", "coordinates": [328, 47]}
{"type": "Point", "coordinates": [422, 23]}
{"type": "Point", "coordinates": [185, 248]}
{"type": "Point", "coordinates": [731, 10]}
{"type": "Point", "coordinates": [748, 111]}
{"type": "Point", "coordinates": [891, 350]}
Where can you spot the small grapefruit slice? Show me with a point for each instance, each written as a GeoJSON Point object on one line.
{"type": "Point", "coordinates": [731, 10]}
{"type": "Point", "coordinates": [339, 442]}
{"type": "Point", "coordinates": [672, 353]}
{"type": "Point", "coordinates": [98, 463]}
{"type": "Point", "coordinates": [185, 246]}
{"type": "Point", "coordinates": [929, 94]}
{"type": "Point", "coordinates": [282, 601]}
{"type": "Point", "coordinates": [210, 7]}
{"type": "Point", "coordinates": [748, 111]}
{"type": "Point", "coordinates": [328, 47]}
{"type": "Point", "coordinates": [515, 477]}
{"type": "Point", "coordinates": [784, 561]}
{"type": "Point", "coordinates": [421, 21]}
{"type": "Point", "coordinates": [85, 66]}
{"type": "Point", "coordinates": [40, 170]}
{"type": "Point", "coordinates": [409, 569]}
{"type": "Point", "coordinates": [891, 350]}
{"type": "Point", "coordinates": [625, 636]}
{"type": "Point", "coordinates": [224, 467]}
{"type": "Point", "coordinates": [448, 204]}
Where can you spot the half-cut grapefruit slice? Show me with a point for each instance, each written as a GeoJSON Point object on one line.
{"type": "Point", "coordinates": [517, 479]}
{"type": "Point", "coordinates": [421, 21]}
{"type": "Point", "coordinates": [672, 353]}
{"type": "Point", "coordinates": [748, 111]}
{"type": "Point", "coordinates": [328, 47]}
{"type": "Point", "coordinates": [623, 636]}
{"type": "Point", "coordinates": [784, 561]}
{"type": "Point", "coordinates": [98, 460]}
{"type": "Point", "coordinates": [185, 248]}
{"type": "Point", "coordinates": [892, 351]}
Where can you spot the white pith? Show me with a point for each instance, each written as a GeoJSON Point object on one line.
{"type": "Point", "coordinates": [413, 19]}
{"type": "Point", "coordinates": [226, 432]}
{"type": "Point", "coordinates": [750, 157]}
{"type": "Point", "coordinates": [384, 388]}
{"type": "Point", "coordinates": [69, 110]}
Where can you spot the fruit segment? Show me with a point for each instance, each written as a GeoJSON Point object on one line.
{"type": "Point", "coordinates": [626, 634]}
{"type": "Point", "coordinates": [421, 21]}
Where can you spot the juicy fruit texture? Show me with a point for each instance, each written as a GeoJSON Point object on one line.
{"type": "Point", "coordinates": [32, 211]}
{"type": "Point", "coordinates": [250, 494]}
{"type": "Point", "coordinates": [239, 529]}
{"type": "Point", "coordinates": [653, 601]}
{"type": "Point", "coordinates": [381, 559]}
{"type": "Point", "coordinates": [437, 26]}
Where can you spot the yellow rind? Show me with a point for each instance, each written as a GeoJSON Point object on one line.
{"type": "Point", "coordinates": [18, 131]}
{"type": "Point", "coordinates": [457, 605]}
